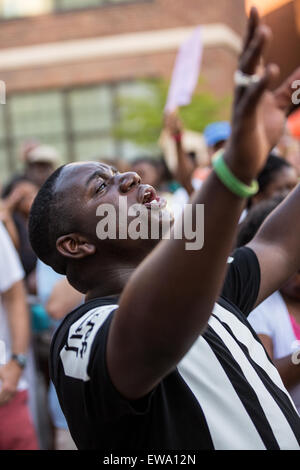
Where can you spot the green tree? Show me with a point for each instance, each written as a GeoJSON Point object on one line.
{"type": "Point", "coordinates": [141, 109]}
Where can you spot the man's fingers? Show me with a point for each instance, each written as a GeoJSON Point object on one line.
{"type": "Point", "coordinates": [254, 93]}
{"type": "Point", "coordinates": [251, 61]}
{"type": "Point", "coordinates": [284, 93]}
{"type": "Point", "coordinates": [252, 56]}
{"type": "Point", "coordinates": [253, 23]}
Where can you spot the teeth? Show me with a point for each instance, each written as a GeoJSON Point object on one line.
{"type": "Point", "coordinates": [147, 195]}
{"type": "Point", "coordinates": [155, 205]}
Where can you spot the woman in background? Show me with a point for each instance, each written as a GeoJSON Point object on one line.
{"type": "Point", "coordinates": [277, 320]}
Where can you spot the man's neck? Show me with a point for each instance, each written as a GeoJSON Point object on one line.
{"type": "Point", "coordinates": [111, 271]}
{"type": "Point", "coordinates": [112, 283]}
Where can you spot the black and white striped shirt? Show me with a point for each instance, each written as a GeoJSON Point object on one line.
{"type": "Point", "coordinates": [224, 394]}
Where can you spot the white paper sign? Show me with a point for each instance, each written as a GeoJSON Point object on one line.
{"type": "Point", "coordinates": [186, 71]}
{"type": "Point", "coordinates": [2, 353]}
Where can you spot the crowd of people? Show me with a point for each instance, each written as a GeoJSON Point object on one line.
{"type": "Point", "coordinates": [149, 390]}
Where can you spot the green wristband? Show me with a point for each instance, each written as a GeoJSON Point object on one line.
{"type": "Point", "coordinates": [230, 181]}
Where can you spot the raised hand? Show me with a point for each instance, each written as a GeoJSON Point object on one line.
{"type": "Point", "coordinates": [259, 114]}
{"type": "Point", "coordinates": [173, 124]}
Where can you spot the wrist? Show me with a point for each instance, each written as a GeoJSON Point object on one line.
{"type": "Point", "coordinates": [177, 136]}
{"type": "Point", "coordinates": [238, 186]}
{"type": "Point", "coordinates": [244, 174]}
{"type": "Point", "coordinates": [19, 359]}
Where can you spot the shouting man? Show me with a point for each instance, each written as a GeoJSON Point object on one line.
{"type": "Point", "coordinates": [161, 355]}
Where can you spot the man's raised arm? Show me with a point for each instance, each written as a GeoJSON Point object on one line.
{"type": "Point", "coordinates": [169, 299]}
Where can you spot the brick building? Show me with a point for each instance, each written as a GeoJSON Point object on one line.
{"type": "Point", "coordinates": [283, 16]}
{"type": "Point", "coordinates": [65, 62]}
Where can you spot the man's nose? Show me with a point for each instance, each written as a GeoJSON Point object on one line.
{"type": "Point", "coordinates": [128, 181]}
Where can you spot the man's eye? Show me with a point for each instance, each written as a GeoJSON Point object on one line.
{"type": "Point", "coordinates": [101, 187]}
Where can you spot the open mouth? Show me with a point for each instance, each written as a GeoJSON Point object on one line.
{"type": "Point", "coordinates": [148, 197]}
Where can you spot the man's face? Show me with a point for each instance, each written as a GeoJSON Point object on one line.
{"type": "Point", "coordinates": [89, 186]}
{"type": "Point", "coordinates": [281, 185]}
{"type": "Point", "coordinates": [148, 173]}
{"type": "Point", "coordinates": [283, 182]}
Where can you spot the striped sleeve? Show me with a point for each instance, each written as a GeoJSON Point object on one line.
{"type": "Point", "coordinates": [242, 281]}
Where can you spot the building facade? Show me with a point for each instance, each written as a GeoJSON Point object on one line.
{"type": "Point", "coordinates": [65, 63]}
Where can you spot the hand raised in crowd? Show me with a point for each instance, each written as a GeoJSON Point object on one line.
{"type": "Point", "coordinates": [185, 167]}
{"type": "Point", "coordinates": [259, 114]}
{"type": "Point", "coordinates": [21, 197]}
{"type": "Point", "coordinates": [173, 124]}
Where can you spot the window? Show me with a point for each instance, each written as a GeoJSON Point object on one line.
{"type": "Point", "coordinates": [22, 8]}
{"type": "Point", "coordinates": [73, 4]}
{"type": "Point", "coordinates": [125, 91]}
{"type": "Point", "coordinates": [79, 122]}
{"type": "Point", "coordinates": [39, 116]}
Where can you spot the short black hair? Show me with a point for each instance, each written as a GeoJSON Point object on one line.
{"type": "Point", "coordinates": [148, 160]}
{"type": "Point", "coordinates": [157, 163]}
{"type": "Point", "coordinates": [46, 223]}
{"type": "Point", "coordinates": [273, 165]}
{"type": "Point", "coordinates": [255, 218]}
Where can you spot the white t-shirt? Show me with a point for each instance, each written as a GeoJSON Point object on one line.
{"type": "Point", "coordinates": [11, 272]}
{"type": "Point", "coordinates": [181, 197]}
{"type": "Point", "coordinates": [271, 318]}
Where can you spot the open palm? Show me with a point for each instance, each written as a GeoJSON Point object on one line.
{"type": "Point", "coordinates": [259, 114]}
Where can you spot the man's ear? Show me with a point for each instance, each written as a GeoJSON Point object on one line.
{"type": "Point", "coordinates": [74, 246]}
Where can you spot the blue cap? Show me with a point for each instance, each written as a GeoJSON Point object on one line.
{"type": "Point", "coordinates": [216, 132]}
